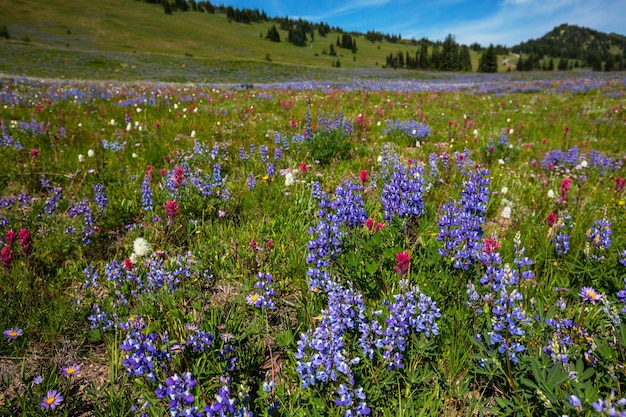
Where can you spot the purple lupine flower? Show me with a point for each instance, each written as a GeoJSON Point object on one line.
{"type": "Point", "coordinates": [224, 404]}
{"type": "Point", "coordinates": [251, 182]}
{"type": "Point", "coordinates": [100, 198]}
{"type": "Point", "coordinates": [599, 236]}
{"type": "Point", "coordinates": [270, 170]}
{"type": "Point", "coordinates": [411, 128]}
{"type": "Point", "coordinates": [144, 353]}
{"type": "Point", "coordinates": [52, 202]}
{"type": "Point", "coordinates": [433, 160]}
{"type": "Point", "coordinates": [522, 262]}
{"type": "Point", "coordinates": [264, 299]}
{"type": "Point", "coordinates": [199, 340]}
{"type": "Point", "coordinates": [147, 196]}
{"type": "Point", "coordinates": [82, 208]}
{"type": "Point", "coordinates": [243, 156]}
{"type": "Point", "coordinates": [263, 151]}
{"type": "Point", "coordinates": [561, 340]}
{"type": "Point", "coordinates": [559, 234]}
{"type": "Point", "coordinates": [574, 401]}
{"type": "Point", "coordinates": [409, 311]}
{"type": "Point", "coordinates": [99, 319]}
{"type": "Point", "coordinates": [178, 390]}
{"type": "Point", "coordinates": [402, 195]}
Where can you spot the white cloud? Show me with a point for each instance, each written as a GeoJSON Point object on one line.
{"type": "Point", "coordinates": [348, 8]}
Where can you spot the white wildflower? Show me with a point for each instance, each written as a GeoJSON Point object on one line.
{"type": "Point", "coordinates": [506, 213]}
{"type": "Point", "coordinates": [504, 190]}
{"type": "Point", "coordinates": [134, 258]}
{"type": "Point", "coordinates": [550, 193]}
{"type": "Point", "coordinates": [81, 158]}
{"type": "Point", "coordinates": [91, 153]}
{"type": "Point", "coordinates": [141, 247]}
{"type": "Point", "coordinates": [289, 179]}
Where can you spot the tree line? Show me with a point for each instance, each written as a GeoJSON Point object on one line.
{"type": "Point", "coordinates": [438, 56]}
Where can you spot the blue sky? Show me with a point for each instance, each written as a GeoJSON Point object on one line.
{"type": "Point", "coordinates": [506, 22]}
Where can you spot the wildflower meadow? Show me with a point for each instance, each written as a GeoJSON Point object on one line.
{"type": "Point", "coordinates": [453, 245]}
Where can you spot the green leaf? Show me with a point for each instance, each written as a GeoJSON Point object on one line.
{"type": "Point", "coordinates": [94, 336]}
{"type": "Point", "coordinates": [556, 376]}
{"type": "Point", "coordinates": [371, 267]}
{"type": "Point", "coordinates": [529, 383]}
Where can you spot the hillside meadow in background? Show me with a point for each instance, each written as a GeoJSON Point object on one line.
{"type": "Point", "coordinates": [190, 228]}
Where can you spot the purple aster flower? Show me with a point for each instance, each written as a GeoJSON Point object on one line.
{"type": "Point", "coordinates": [11, 334]}
{"type": "Point", "coordinates": [51, 400]}
{"type": "Point", "coordinates": [71, 370]}
{"type": "Point", "coordinates": [590, 295]}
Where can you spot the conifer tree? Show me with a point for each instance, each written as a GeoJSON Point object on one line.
{"type": "Point", "coordinates": [167, 7]}
{"type": "Point", "coordinates": [488, 60]}
{"type": "Point", "coordinates": [450, 53]}
{"type": "Point", "coordinates": [423, 59]}
{"type": "Point", "coordinates": [272, 34]}
{"type": "Point", "coordinates": [465, 59]}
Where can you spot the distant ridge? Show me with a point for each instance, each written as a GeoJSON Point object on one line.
{"type": "Point", "coordinates": [589, 46]}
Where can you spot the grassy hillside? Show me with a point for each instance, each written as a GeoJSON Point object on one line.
{"type": "Point", "coordinates": [140, 29]}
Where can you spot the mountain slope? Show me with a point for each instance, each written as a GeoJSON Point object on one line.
{"type": "Point", "coordinates": [574, 42]}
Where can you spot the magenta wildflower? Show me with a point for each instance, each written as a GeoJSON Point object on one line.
{"type": "Point", "coordinates": [565, 187]}
{"type": "Point", "coordinates": [51, 400]}
{"type": "Point", "coordinates": [10, 237]}
{"type": "Point", "coordinates": [6, 256]}
{"type": "Point", "coordinates": [25, 240]}
{"type": "Point", "coordinates": [178, 176]}
{"type": "Point", "coordinates": [402, 263]}
{"type": "Point", "coordinates": [171, 209]}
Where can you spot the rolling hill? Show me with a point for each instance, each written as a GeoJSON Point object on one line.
{"type": "Point", "coordinates": [130, 39]}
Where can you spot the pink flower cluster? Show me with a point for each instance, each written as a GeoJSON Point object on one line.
{"type": "Point", "coordinates": [402, 263]}
{"type": "Point", "coordinates": [26, 242]}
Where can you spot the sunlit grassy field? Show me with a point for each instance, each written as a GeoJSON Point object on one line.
{"type": "Point", "coordinates": [345, 243]}
{"type": "Point", "coordinates": [51, 33]}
